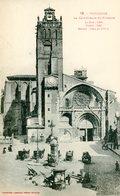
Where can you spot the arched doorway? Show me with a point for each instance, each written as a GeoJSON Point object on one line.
{"type": "Point", "coordinates": [69, 117]}
{"type": "Point", "coordinates": [88, 127]}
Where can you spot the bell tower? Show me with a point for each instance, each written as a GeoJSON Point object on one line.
{"type": "Point", "coordinates": [49, 53]}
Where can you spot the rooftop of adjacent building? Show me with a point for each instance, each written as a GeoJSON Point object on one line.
{"type": "Point", "coordinates": [22, 77]}
{"type": "Point", "coordinates": [33, 78]}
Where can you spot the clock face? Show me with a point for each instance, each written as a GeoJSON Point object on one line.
{"type": "Point", "coordinates": [51, 81]}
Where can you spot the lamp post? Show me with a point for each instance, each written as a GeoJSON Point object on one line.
{"type": "Point", "coordinates": [37, 160]}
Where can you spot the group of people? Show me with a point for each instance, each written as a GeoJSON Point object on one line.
{"type": "Point", "coordinates": [117, 166]}
{"type": "Point", "coordinates": [9, 149]}
{"type": "Point", "coordinates": [112, 137]}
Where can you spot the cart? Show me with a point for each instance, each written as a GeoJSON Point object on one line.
{"type": "Point", "coordinates": [56, 180]}
{"type": "Point", "coordinates": [40, 154]}
{"type": "Point", "coordinates": [69, 156]}
{"type": "Point", "coordinates": [86, 158]}
{"type": "Point", "coordinates": [23, 154]}
{"type": "Point", "coordinates": [83, 177]}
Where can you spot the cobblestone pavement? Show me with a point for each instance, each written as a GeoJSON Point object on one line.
{"type": "Point", "coordinates": [116, 151]}
{"type": "Point", "coordinates": [14, 176]}
{"type": "Point", "coordinates": [107, 179]}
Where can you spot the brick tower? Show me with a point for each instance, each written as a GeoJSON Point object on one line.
{"type": "Point", "coordinates": [49, 55]}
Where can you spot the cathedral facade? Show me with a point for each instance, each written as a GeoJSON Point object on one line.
{"type": "Point", "coordinates": [70, 106]}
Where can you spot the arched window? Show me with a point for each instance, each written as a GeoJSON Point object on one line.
{"type": "Point", "coordinates": [67, 102]}
{"type": "Point", "coordinates": [44, 33]}
{"type": "Point", "coordinates": [49, 33]}
{"type": "Point", "coordinates": [96, 102]}
{"type": "Point", "coordinates": [55, 34]}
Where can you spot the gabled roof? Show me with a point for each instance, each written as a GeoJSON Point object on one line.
{"type": "Point", "coordinates": [84, 82]}
{"type": "Point", "coordinates": [73, 77]}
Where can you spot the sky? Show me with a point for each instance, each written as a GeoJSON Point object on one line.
{"type": "Point", "coordinates": [95, 48]}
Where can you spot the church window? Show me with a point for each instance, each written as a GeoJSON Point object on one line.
{"type": "Point", "coordinates": [48, 109]}
{"type": "Point", "coordinates": [44, 34]}
{"type": "Point", "coordinates": [47, 50]}
{"type": "Point", "coordinates": [48, 95]}
{"type": "Point", "coordinates": [96, 102]}
{"type": "Point", "coordinates": [56, 34]}
{"type": "Point", "coordinates": [48, 121]}
{"type": "Point", "coordinates": [67, 102]}
{"type": "Point", "coordinates": [49, 33]}
{"type": "Point", "coordinates": [80, 73]}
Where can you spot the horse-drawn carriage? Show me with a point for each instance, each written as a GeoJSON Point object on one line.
{"type": "Point", "coordinates": [86, 158]}
{"type": "Point", "coordinates": [83, 177]}
{"type": "Point", "coordinates": [69, 156]}
{"type": "Point", "coordinates": [40, 154]}
{"type": "Point", "coordinates": [23, 154]}
{"type": "Point", "coordinates": [56, 180]}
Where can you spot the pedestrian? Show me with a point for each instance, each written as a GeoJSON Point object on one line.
{"type": "Point", "coordinates": [117, 166]}
{"type": "Point", "coordinates": [68, 178]}
{"type": "Point", "coordinates": [10, 148]}
{"type": "Point", "coordinates": [4, 150]}
{"type": "Point", "coordinates": [110, 134]}
{"type": "Point", "coordinates": [115, 139]}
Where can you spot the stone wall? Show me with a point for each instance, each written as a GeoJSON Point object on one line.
{"type": "Point", "coordinates": [19, 102]}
